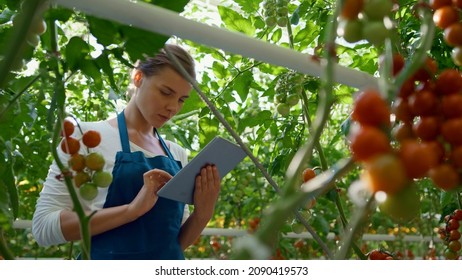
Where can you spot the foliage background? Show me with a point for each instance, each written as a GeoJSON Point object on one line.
{"type": "Point", "coordinates": [94, 56]}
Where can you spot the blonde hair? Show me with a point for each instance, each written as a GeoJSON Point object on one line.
{"type": "Point", "coordinates": [151, 66]}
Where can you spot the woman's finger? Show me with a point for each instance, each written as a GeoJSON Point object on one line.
{"type": "Point", "coordinates": [204, 178]}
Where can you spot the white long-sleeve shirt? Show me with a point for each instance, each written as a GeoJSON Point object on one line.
{"type": "Point", "coordinates": [54, 197]}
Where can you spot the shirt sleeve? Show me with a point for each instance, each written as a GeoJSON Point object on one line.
{"type": "Point", "coordinates": [54, 197]}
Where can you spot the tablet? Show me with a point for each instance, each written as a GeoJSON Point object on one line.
{"type": "Point", "coordinates": [224, 154]}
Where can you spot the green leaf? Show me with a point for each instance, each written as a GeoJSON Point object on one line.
{"type": "Point", "coordinates": [76, 50]}
{"type": "Point", "coordinates": [242, 84]}
{"type": "Point", "coordinates": [103, 62]}
{"type": "Point", "coordinates": [320, 224]}
{"type": "Point", "coordinates": [448, 198]}
{"type": "Point", "coordinates": [139, 42]}
{"type": "Point", "coordinates": [6, 15]}
{"type": "Point", "coordinates": [209, 128]}
{"type": "Point", "coordinates": [60, 14]}
{"type": "Point", "coordinates": [259, 119]}
{"type": "Point", "coordinates": [295, 18]}
{"type": "Point", "coordinates": [302, 35]}
{"type": "Point", "coordinates": [277, 35]}
{"type": "Point", "coordinates": [13, 4]}
{"type": "Point", "coordinates": [106, 32]}
{"type": "Point", "coordinates": [219, 70]}
{"type": "Point", "coordinates": [90, 69]}
{"type": "Point", "coordinates": [235, 21]}
{"type": "Point", "coordinates": [249, 6]}
{"type": "Point", "coordinates": [176, 6]}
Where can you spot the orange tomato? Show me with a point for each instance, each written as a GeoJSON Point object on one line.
{"type": "Point", "coordinates": [445, 176]}
{"type": "Point", "coordinates": [417, 159]}
{"type": "Point", "coordinates": [367, 142]}
{"type": "Point", "coordinates": [308, 174]}
{"type": "Point", "coordinates": [449, 81]}
{"type": "Point", "coordinates": [427, 128]}
{"type": "Point", "coordinates": [371, 109]}
{"type": "Point", "coordinates": [445, 16]}
{"type": "Point", "coordinates": [385, 173]}
{"type": "Point", "coordinates": [70, 145]}
{"type": "Point", "coordinates": [423, 103]}
{"type": "Point", "coordinates": [91, 138]}
{"type": "Point", "coordinates": [451, 131]}
{"type": "Point", "coordinates": [67, 128]}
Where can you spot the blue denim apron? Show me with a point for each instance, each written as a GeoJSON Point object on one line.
{"type": "Point", "coordinates": [155, 234]}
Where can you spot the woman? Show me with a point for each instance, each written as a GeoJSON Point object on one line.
{"type": "Point", "coordinates": [131, 221]}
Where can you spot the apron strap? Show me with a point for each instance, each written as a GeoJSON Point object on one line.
{"type": "Point", "coordinates": [123, 132]}
{"type": "Point", "coordinates": [124, 136]}
{"type": "Point", "coordinates": [164, 145]}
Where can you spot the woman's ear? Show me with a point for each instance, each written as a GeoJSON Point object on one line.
{"type": "Point", "coordinates": [137, 78]}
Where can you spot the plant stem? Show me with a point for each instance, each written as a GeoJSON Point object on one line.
{"type": "Point", "coordinates": [289, 31]}
{"type": "Point", "coordinates": [356, 222]}
{"type": "Point", "coordinates": [4, 250]}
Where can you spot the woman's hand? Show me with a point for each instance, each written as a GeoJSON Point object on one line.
{"type": "Point", "coordinates": [206, 192]}
{"type": "Point", "coordinates": [147, 197]}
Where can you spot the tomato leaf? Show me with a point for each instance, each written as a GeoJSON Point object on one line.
{"type": "Point", "coordinates": [209, 129]}
{"type": "Point", "coordinates": [139, 42]}
{"type": "Point", "coordinates": [236, 22]}
{"type": "Point", "coordinates": [5, 16]}
{"type": "Point", "coordinates": [242, 84]}
{"type": "Point", "coordinates": [76, 50]}
{"type": "Point", "coordinates": [106, 32]}
{"type": "Point", "coordinates": [277, 35]}
{"type": "Point", "coordinates": [103, 62]}
{"type": "Point", "coordinates": [295, 18]}
{"type": "Point", "coordinates": [90, 69]}
{"type": "Point", "coordinates": [249, 6]}
{"type": "Point", "coordinates": [251, 121]}
{"type": "Point", "coordinates": [176, 6]}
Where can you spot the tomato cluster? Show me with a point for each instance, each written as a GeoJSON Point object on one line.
{"type": "Point", "coordinates": [365, 19]}
{"type": "Point", "coordinates": [446, 15]}
{"type": "Point", "coordinates": [450, 234]}
{"type": "Point", "coordinates": [88, 173]}
{"type": "Point", "coordinates": [424, 139]}
{"type": "Point", "coordinates": [276, 12]}
{"type": "Point", "coordinates": [288, 89]}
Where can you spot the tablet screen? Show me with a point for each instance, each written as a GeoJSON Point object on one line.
{"type": "Point", "coordinates": [224, 154]}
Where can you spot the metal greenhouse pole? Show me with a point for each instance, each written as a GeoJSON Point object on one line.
{"type": "Point", "coordinates": [168, 23]}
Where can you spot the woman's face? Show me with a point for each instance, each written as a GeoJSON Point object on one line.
{"type": "Point", "coordinates": [160, 97]}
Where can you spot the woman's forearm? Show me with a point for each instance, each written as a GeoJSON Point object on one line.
{"type": "Point", "coordinates": [101, 221]}
{"type": "Point", "coordinates": [192, 229]}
